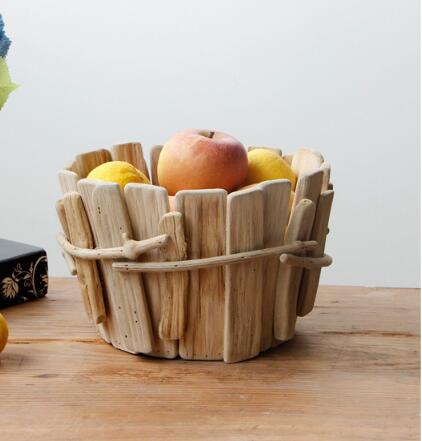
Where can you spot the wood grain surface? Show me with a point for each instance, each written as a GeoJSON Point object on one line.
{"type": "Point", "coordinates": [146, 205]}
{"type": "Point", "coordinates": [244, 281]}
{"type": "Point", "coordinates": [204, 216]}
{"type": "Point", "coordinates": [351, 373]}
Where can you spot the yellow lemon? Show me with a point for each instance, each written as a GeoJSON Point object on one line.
{"type": "Point", "coordinates": [265, 165]}
{"type": "Point", "coordinates": [120, 172]}
{"type": "Point", "coordinates": [4, 332]}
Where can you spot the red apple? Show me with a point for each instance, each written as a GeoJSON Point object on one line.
{"type": "Point", "coordinates": [198, 159]}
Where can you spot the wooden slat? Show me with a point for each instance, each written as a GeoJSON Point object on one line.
{"type": "Point", "coordinates": [70, 261]}
{"type": "Point", "coordinates": [130, 152]}
{"type": "Point", "coordinates": [204, 214]}
{"type": "Point", "coordinates": [62, 218]}
{"type": "Point", "coordinates": [146, 206]}
{"type": "Point", "coordinates": [309, 187]}
{"type": "Point", "coordinates": [68, 180]}
{"type": "Point", "coordinates": [86, 188]}
{"type": "Point", "coordinates": [154, 156]}
{"type": "Point", "coordinates": [107, 329]}
{"type": "Point", "coordinates": [244, 282]}
{"type": "Point", "coordinates": [289, 277]}
{"type": "Point", "coordinates": [326, 171]}
{"type": "Point", "coordinates": [126, 293]}
{"type": "Point", "coordinates": [80, 235]}
{"type": "Point", "coordinates": [276, 196]}
{"type": "Point", "coordinates": [288, 158]}
{"type": "Point", "coordinates": [305, 161]}
{"type": "Point", "coordinates": [272, 149]}
{"type": "Point", "coordinates": [310, 278]}
{"type": "Point", "coordinates": [174, 286]}
{"type": "Point", "coordinates": [86, 162]}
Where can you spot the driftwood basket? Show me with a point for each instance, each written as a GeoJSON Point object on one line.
{"type": "Point", "coordinates": [223, 277]}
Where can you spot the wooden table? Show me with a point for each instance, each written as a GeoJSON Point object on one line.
{"type": "Point", "coordinates": [351, 373]}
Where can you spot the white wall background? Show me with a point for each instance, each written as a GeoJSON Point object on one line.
{"type": "Point", "coordinates": [339, 76]}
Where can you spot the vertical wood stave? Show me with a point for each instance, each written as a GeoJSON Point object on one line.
{"type": "Point", "coordinates": [154, 157]}
{"type": "Point", "coordinates": [68, 180]}
{"type": "Point", "coordinates": [133, 332]}
{"type": "Point", "coordinates": [289, 277]}
{"type": "Point", "coordinates": [244, 281]}
{"type": "Point", "coordinates": [86, 162]}
{"type": "Point", "coordinates": [305, 161]}
{"type": "Point", "coordinates": [173, 286]}
{"type": "Point", "coordinates": [276, 196]}
{"type": "Point", "coordinates": [130, 152]}
{"type": "Point", "coordinates": [310, 279]}
{"type": "Point", "coordinates": [204, 214]}
{"type": "Point", "coordinates": [80, 236]}
{"type": "Point", "coordinates": [107, 329]}
{"type": "Point", "coordinates": [147, 204]}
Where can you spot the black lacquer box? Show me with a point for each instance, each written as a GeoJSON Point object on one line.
{"type": "Point", "coordinates": [23, 273]}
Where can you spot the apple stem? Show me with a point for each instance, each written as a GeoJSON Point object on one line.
{"type": "Point", "coordinates": [211, 134]}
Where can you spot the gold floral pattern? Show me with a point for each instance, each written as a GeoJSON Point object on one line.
{"type": "Point", "coordinates": [27, 278]}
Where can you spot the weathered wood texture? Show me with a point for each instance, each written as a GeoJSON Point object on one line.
{"type": "Point", "coordinates": [88, 275]}
{"type": "Point", "coordinates": [146, 206]}
{"type": "Point", "coordinates": [85, 162]}
{"type": "Point", "coordinates": [154, 155]}
{"type": "Point", "coordinates": [310, 278]}
{"type": "Point", "coordinates": [130, 152]}
{"type": "Point", "coordinates": [276, 212]}
{"type": "Point", "coordinates": [204, 215]}
{"type": "Point", "coordinates": [128, 312]}
{"type": "Point", "coordinates": [289, 277]}
{"type": "Point", "coordinates": [244, 281]}
{"type": "Point", "coordinates": [173, 286]}
{"type": "Point", "coordinates": [351, 373]}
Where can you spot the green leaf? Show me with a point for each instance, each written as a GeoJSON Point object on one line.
{"type": "Point", "coordinates": [6, 85]}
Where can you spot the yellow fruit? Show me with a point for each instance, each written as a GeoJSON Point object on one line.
{"type": "Point", "coordinates": [265, 165]}
{"type": "Point", "coordinates": [4, 332]}
{"type": "Point", "coordinates": [120, 172]}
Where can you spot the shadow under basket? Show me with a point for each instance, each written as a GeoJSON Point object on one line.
{"type": "Point", "coordinates": [211, 276]}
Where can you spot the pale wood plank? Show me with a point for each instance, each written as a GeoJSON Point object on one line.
{"type": "Point", "coordinates": [289, 277]}
{"type": "Point", "coordinates": [276, 196]}
{"type": "Point", "coordinates": [326, 174]}
{"type": "Point", "coordinates": [146, 206]}
{"type": "Point", "coordinates": [80, 235]}
{"type": "Point", "coordinates": [86, 188]}
{"type": "Point", "coordinates": [68, 180]}
{"type": "Point", "coordinates": [204, 214]}
{"type": "Point", "coordinates": [174, 286]}
{"type": "Point", "coordinates": [310, 278]}
{"type": "Point", "coordinates": [70, 262]}
{"type": "Point", "coordinates": [309, 186]}
{"type": "Point", "coordinates": [305, 161]}
{"type": "Point", "coordinates": [130, 152]}
{"type": "Point", "coordinates": [108, 328]}
{"type": "Point", "coordinates": [244, 282]}
{"type": "Point", "coordinates": [132, 330]}
{"type": "Point", "coordinates": [288, 158]}
{"type": "Point", "coordinates": [85, 162]}
{"type": "Point", "coordinates": [154, 156]}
